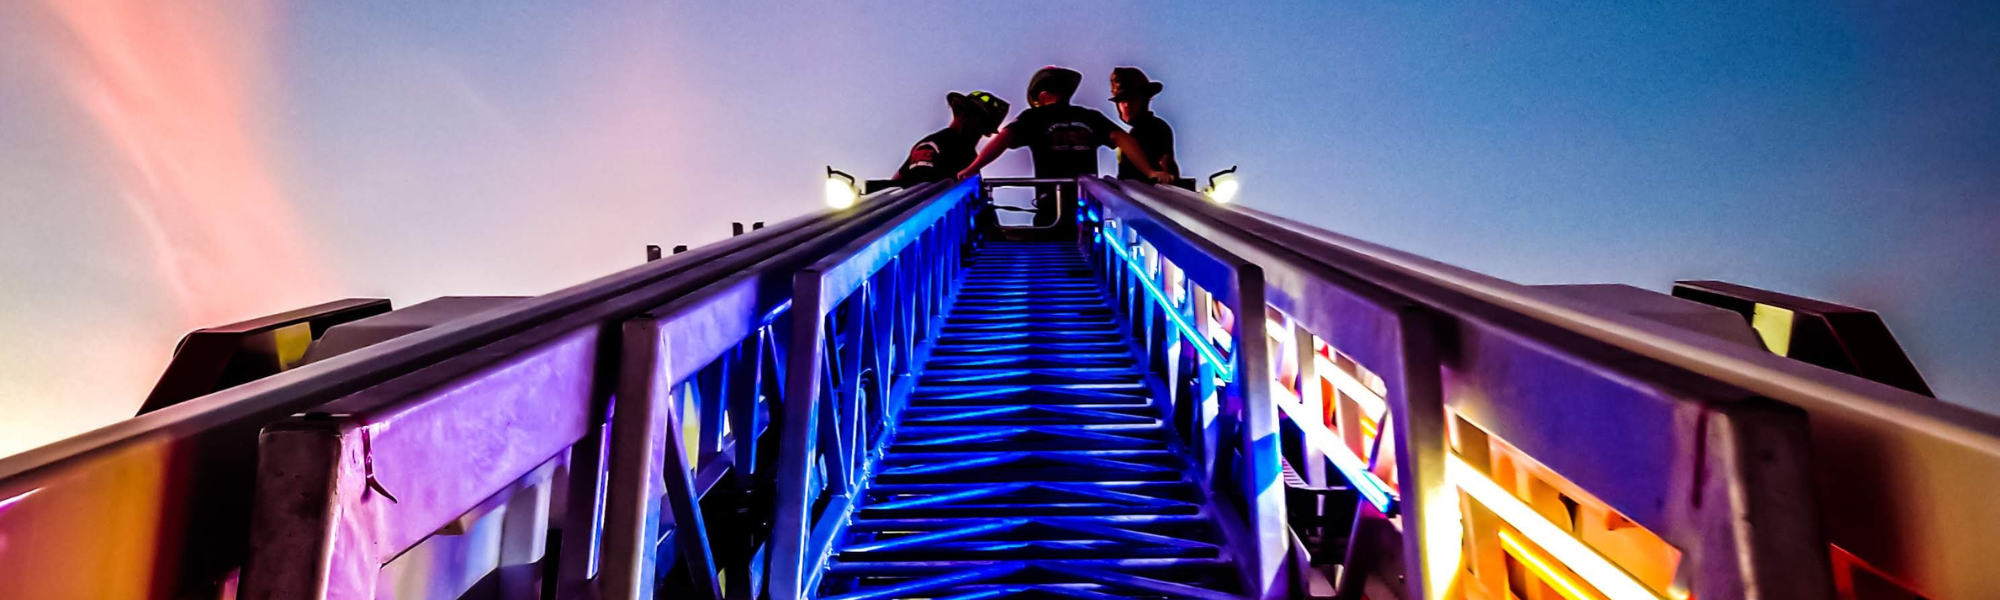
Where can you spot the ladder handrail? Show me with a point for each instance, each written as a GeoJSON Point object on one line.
{"type": "Point", "coordinates": [674, 345]}
{"type": "Point", "coordinates": [1406, 337]}
{"type": "Point", "coordinates": [1234, 386]}
{"type": "Point", "coordinates": [1758, 371]}
{"type": "Point", "coordinates": [325, 379]}
{"type": "Point", "coordinates": [1202, 344]}
{"type": "Point", "coordinates": [922, 247]}
{"type": "Point", "coordinates": [1926, 457]}
{"type": "Point", "coordinates": [192, 465]}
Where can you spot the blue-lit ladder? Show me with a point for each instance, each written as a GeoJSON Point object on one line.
{"type": "Point", "coordinates": [1032, 460]}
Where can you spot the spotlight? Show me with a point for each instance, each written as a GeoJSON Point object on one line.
{"type": "Point", "coordinates": [840, 190]}
{"type": "Point", "coordinates": [1222, 186]}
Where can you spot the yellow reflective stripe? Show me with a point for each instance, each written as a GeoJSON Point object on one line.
{"type": "Point", "coordinates": [1774, 324]}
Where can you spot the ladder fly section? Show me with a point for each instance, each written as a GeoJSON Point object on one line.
{"type": "Point", "coordinates": [1186, 400]}
{"type": "Point", "coordinates": [1032, 457]}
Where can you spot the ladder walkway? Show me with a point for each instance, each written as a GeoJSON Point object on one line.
{"type": "Point", "coordinates": [1033, 459]}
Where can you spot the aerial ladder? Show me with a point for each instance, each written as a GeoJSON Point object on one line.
{"type": "Point", "coordinates": [1180, 398]}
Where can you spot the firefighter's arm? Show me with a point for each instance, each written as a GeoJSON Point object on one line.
{"type": "Point", "coordinates": [1130, 147]}
{"type": "Point", "coordinates": [989, 153]}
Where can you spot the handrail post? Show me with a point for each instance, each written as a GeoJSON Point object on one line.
{"type": "Point", "coordinates": [743, 395]}
{"type": "Point", "coordinates": [1305, 349]}
{"type": "Point", "coordinates": [1431, 527]}
{"type": "Point", "coordinates": [632, 502]}
{"type": "Point", "coordinates": [1264, 496]}
{"type": "Point", "coordinates": [579, 547]}
{"type": "Point", "coordinates": [1194, 308]}
{"type": "Point", "coordinates": [800, 429]}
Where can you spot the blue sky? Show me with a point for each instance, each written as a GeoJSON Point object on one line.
{"type": "Point", "coordinates": [1845, 151]}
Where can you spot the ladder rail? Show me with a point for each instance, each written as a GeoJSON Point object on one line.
{"type": "Point", "coordinates": [723, 347]}
{"type": "Point", "coordinates": [190, 467]}
{"type": "Point", "coordinates": [1371, 315]}
{"type": "Point", "coordinates": [1135, 237]}
{"type": "Point", "coordinates": [451, 433]}
{"type": "Point", "coordinates": [857, 311]}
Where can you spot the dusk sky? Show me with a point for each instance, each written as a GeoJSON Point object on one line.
{"type": "Point", "coordinates": [171, 165]}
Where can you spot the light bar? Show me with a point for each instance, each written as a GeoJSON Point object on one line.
{"type": "Point", "coordinates": [1351, 467]}
{"type": "Point", "coordinates": [1372, 488]}
{"type": "Point", "coordinates": [1533, 560]}
{"type": "Point", "coordinates": [772, 316]}
{"type": "Point", "coordinates": [1609, 580]}
{"type": "Point", "coordinates": [1223, 370]}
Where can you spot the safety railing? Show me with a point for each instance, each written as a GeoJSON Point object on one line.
{"type": "Point", "coordinates": [1168, 285]}
{"type": "Point", "coordinates": [1051, 201]}
{"type": "Point", "coordinates": [1433, 432]}
{"type": "Point", "coordinates": [440, 467]}
{"type": "Point", "coordinates": [159, 505]}
{"type": "Point", "coordinates": [1492, 454]}
{"type": "Point", "coordinates": [862, 321]}
{"type": "Point", "coordinates": [1891, 469]}
{"type": "Point", "coordinates": [703, 378]}
{"type": "Point", "coordinates": [433, 482]}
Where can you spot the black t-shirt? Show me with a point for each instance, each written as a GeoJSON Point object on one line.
{"type": "Point", "coordinates": [939, 156]}
{"type": "Point", "coordinates": [1155, 139]}
{"type": "Point", "coordinates": [1064, 138]}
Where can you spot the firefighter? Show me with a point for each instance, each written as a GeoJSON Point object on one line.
{"type": "Point", "coordinates": [1063, 137]}
{"type": "Point", "coordinates": [1133, 92]}
{"type": "Point", "coordinates": [941, 155]}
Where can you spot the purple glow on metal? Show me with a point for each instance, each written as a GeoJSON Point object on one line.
{"type": "Point", "coordinates": [441, 445]}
